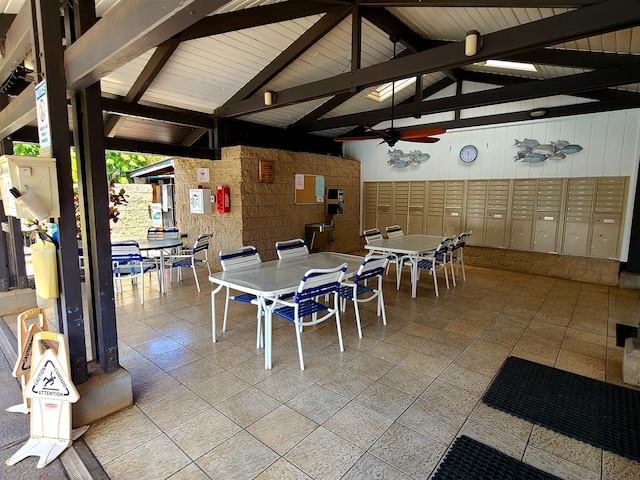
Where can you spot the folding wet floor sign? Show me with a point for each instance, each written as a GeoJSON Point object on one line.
{"type": "Point", "coordinates": [30, 322]}
{"type": "Point", "coordinates": [51, 393]}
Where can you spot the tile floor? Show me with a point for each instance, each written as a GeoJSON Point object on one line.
{"type": "Point", "coordinates": [386, 408]}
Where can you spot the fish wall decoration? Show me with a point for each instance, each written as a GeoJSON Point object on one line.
{"type": "Point", "coordinates": [532, 151]}
{"type": "Point", "coordinates": [399, 159]}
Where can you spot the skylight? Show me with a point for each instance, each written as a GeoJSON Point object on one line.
{"type": "Point", "coordinates": [384, 91]}
{"type": "Point", "coordinates": [527, 67]}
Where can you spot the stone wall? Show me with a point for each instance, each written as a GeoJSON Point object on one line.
{"type": "Point", "coordinates": [263, 213]}
{"type": "Point", "coordinates": [134, 217]}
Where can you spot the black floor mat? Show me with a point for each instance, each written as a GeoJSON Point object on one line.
{"type": "Point", "coordinates": [471, 460]}
{"type": "Point", "coordinates": [601, 414]}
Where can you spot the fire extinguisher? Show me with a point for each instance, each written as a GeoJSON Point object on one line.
{"type": "Point", "coordinates": [223, 199]}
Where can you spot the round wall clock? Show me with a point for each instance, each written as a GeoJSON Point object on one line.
{"type": "Point", "coordinates": [468, 153]}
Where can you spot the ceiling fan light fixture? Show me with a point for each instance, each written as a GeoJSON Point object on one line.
{"type": "Point", "coordinates": [541, 112]}
{"type": "Point", "coordinates": [472, 43]}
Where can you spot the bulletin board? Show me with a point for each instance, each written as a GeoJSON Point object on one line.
{"type": "Point", "coordinates": [309, 188]}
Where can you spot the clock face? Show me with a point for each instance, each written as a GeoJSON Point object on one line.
{"type": "Point", "coordinates": [468, 153]}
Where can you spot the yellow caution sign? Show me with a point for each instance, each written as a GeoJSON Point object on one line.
{"type": "Point", "coordinates": [30, 322]}
{"type": "Point", "coordinates": [52, 393]}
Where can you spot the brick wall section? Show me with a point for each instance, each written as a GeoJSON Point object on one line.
{"type": "Point", "coordinates": [263, 213]}
{"type": "Point", "coordinates": [134, 217]}
{"type": "Point", "coordinates": [583, 269]}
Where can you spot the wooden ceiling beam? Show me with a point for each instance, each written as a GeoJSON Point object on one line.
{"type": "Point", "coordinates": [17, 42]}
{"type": "Point", "coordinates": [254, 17]}
{"type": "Point", "coordinates": [20, 111]}
{"type": "Point", "coordinates": [595, 19]}
{"type": "Point", "coordinates": [569, 85]}
{"type": "Point", "coordinates": [126, 32]}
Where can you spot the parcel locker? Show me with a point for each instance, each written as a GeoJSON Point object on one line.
{"type": "Point", "coordinates": [416, 208]}
{"type": "Point", "coordinates": [435, 207]}
{"type": "Point", "coordinates": [400, 205]}
{"type": "Point", "coordinates": [495, 232]}
{"type": "Point", "coordinates": [521, 233]}
{"type": "Point", "coordinates": [605, 236]}
{"type": "Point", "coordinates": [452, 222]}
{"type": "Point", "coordinates": [546, 231]}
{"type": "Point", "coordinates": [370, 205]}
{"type": "Point", "coordinates": [523, 205]}
{"type": "Point", "coordinates": [578, 210]}
{"type": "Point", "coordinates": [385, 202]}
{"type": "Point", "coordinates": [475, 211]}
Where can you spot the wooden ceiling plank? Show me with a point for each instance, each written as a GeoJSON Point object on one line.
{"type": "Point", "coordinates": [20, 111]}
{"type": "Point", "coordinates": [297, 48]}
{"type": "Point", "coordinates": [591, 20]}
{"type": "Point", "coordinates": [141, 25]}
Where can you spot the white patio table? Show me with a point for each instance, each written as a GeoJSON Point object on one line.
{"type": "Point", "coordinates": [269, 280]}
{"type": "Point", "coordinates": [412, 246]}
{"type": "Point", "coordinates": [159, 245]}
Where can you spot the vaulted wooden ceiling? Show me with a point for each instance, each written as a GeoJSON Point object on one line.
{"type": "Point", "coordinates": [186, 77]}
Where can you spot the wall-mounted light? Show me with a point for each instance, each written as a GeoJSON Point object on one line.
{"type": "Point", "coordinates": [269, 97]}
{"type": "Point", "coordinates": [472, 43]}
{"type": "Point", "coordinates": [537, 113]}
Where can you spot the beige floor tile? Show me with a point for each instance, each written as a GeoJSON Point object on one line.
{"type": "Point", "coordinates": [358, 424]}
{"type": "Point", "coordinates": [346, 383]}
{"type": "Point", "coordinates": [370, 366]}
{"type": "Point", "coordinates": [426, 364]}
{"type": "Point", "coordinates": [433, 421]}
{"type": "Point", "coordinates": [566, 448]}
{"type": "Point", "coordinates": [220, 387]}
{"type": "Point", "coordinates": [318, 403]}
{"type": "Point", "coordinates": [385, 400]}
{"type": "Point", "coordinates": [175, 409]}
{"type": "Point", "coordinates": [202, 432]}
{"type": "Point", "coordinates": [557, 466]}
{"type": "Point", "coordinates": [120, 433]}
{"type": "Point", "coordinates": [388, 352]}
{"type": "Point", "coordinates": [372, 467]}
{"type": "Point", "coordinates": [412, 453]}
{"type": "Point", "coordinates": [581, 364]}
{"type": "Point", "coordinates": [503, 422]}
{"type": "Point", "coordinates": [248, 406]}
{"type": "Point", "coordinates": [406, 380]}
{"type": "Point", "coordinates": [323, 454]}
{"type": "Point", "coordinates": [615, 467]}
{"type": "Point", "coordinates": [282, 429]}
{"type": "Point", "coordinates": [284, 385]}
{"type": "Point", "coordinates": [507, 444]}
{"type": "Point", "coordinates": [459, 401]}
{"type": "Point", "coordinates": [175, 358]}
{"type": "Point", "coordinates": [140, 463]}
{"type": "Point", "coordinates": [283, 470]}
{"type": "Point", "coordinates": [195, 372]}
{"type": "Point", "coordinates": [190, 472]}
{"type": "Point", "coordinates": [464, 378]}
{"type": "Point", "coordinates": [225, 462]}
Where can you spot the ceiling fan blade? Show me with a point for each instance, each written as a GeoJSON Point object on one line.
{"type": "Point", "coordinates": [422, 139]}
{"type": "Point", "coordinates": [421, 132]}
{"type": "Point", "coordinates": [361, 137]}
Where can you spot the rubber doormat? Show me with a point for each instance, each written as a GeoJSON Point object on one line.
{"type": "Point", "coordinates": [471, 460]}
{"type": "Point", "coordinates": [601, 414]}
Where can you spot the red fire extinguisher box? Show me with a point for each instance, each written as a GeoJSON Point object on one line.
{"type": "Point", "coordinates": [223, 199]}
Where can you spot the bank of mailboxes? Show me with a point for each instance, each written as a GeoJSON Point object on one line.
{"type": "Point", "coordinates": [574, 216]}
{"type": "Point", "coordinates": [36, 180]}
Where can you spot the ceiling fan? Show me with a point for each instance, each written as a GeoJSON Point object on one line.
{"type": "Point", "coordinates": [392, 135]}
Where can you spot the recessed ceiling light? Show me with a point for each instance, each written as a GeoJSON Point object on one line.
{"type": "Point", "coordinates": [384, 91]}
{"type": "Point", "coordinates": [528, 67]}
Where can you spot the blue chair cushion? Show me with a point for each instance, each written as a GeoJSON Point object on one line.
{"type": "Point", "coordinates": [307, 307]}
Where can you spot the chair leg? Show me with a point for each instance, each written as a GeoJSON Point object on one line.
{"type": "Point", "coordinates": [357, 310]}
{"type": "Point", "coordinates": [453, 276]}
{"type": "Point", "coordinates": [226, 309]}
{"type": "Point", "coordinates": [195, 275]}
{"type": "Point", "coordinates": [338, 324]}
{"type": "Point", "coordinates": [299, 340]}
{"type": "Point", "coordinates": [464, 276]}
{"type": "Point", "coordinates": [446, 273]}
{"type": "Point", "coordinates": [435, 281]}
{"type": "Point", "coordinates": [259, 338]}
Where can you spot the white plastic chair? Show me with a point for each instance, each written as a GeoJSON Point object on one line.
{"type": "Point", "coordinates": [233, 259]}
{"type": "Point", "coordinates": [315, 283]}
{"type": "Point", "coordinates": [357, 291]}
{"type": "Point", "coordinates": [438, 259]}
{"type": "Point", "coordinates": [291, 248]}
{"type": "Point", "coordinates": [456, 253]}
{"type": "Point", "coordinates": [128, 263]}
{"type": "Point", "coordinates": [394, 231]}
{"type": "Point", "coordinates": [373, 235]}
{"type": "Point", "coordinates": [198, 254]}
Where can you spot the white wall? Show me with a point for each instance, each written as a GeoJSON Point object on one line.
{"type": "Point", "coordinates": [610, 141]}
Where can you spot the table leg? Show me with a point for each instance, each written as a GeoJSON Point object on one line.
{"type": "Point", "coordinates": [414, 277]}
{"type": "Point", "coordinates": [268, 316]}
{"type": "Point", "coordinates": [161, 273]}
{"type": "Point", "coordinates": [213, 311]}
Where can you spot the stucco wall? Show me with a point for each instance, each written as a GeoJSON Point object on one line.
{"type": "Point", "coordinates": [263, 213]}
